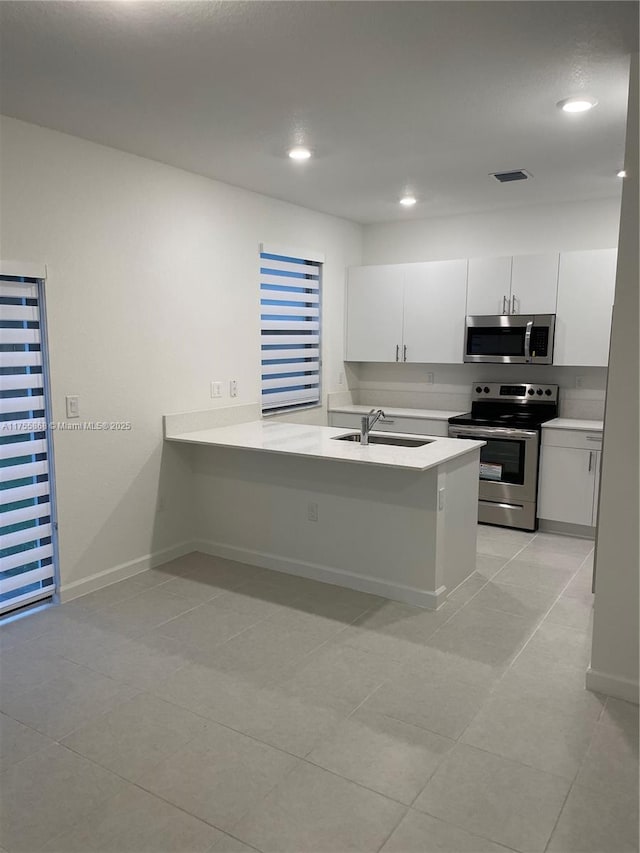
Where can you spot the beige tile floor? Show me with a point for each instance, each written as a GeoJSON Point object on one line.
{"type": "Point", "coordinates": [213, 706]}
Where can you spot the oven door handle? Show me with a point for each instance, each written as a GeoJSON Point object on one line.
{"type": "Point", "coordinates": [527, 341]}
{"type": "Point", "coordinates": [493, 432]}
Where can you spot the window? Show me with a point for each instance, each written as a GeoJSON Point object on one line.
{"type": "Point", "coordinates": [290, 304]}
{"type": "Point", "coordinates": [26, 500]}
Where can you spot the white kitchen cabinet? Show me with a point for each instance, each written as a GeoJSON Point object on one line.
{"type": "Point", "coordinates": [434, 306]}
{"type": "Point", "coordinates": [522, 284]}
{"type": "Point", "coordinates": [375, 300]}
{"type": "Point", "coordinates": [586, 287]}
{"type": "Point", "coordinates": [534, 284]}
{"type": "Point", "coordinates": [407, 312]}
{"type": "Point", "coordinates": [569, 476]}
{"type": "Point", "coordinates": [488, 285]}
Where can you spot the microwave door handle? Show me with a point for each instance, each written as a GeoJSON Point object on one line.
{"type": "Point", "coordinates": [527, 341]}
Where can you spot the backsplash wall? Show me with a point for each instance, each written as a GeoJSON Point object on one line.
{"type": "Point", "coordinates": [410, 385]}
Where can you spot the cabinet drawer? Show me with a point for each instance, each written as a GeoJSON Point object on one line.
{"type": "Point", "coordinates": [342, 419]}
{"type": "Point", "coordinates": [579, 439]}
{"type": "Point", "coordinates": [417, 426]}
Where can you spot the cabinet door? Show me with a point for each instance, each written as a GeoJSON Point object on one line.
{"type": "Point", "coordinates": [534, 284]}
{"type": "Point", "coordinates": [434, 306]}
{"type": "Point", "coordinates": [374, 313]}
{"type": "Point", "coordinates": [488, 285]}
{"type": "Point", "coordinates": [567, 480]}
{"type": "Point", "coordinates": [586, 286]}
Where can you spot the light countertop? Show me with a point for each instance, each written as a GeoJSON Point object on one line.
{"type": "Point", "coordinates": [391, 411]}
{"type": "Point", "coordinates": [319, 442]}
{"type": "Point", "coordinates": [574, 423]}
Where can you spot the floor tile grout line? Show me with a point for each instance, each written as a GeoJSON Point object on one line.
{"type": "Point", "coordinates": [157, 796]}
{"type": "Point", "coordinates": [329, 641]}
{"type": "Point", "coordinates": [458, 826]}
{"type": "Point", "coordinates": [254, 738]}
{"type": "Point", "coordinates": [557, 820]}
{"type": "Point", "coordinates": [525, 644]}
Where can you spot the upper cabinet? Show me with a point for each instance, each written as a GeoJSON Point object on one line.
{"type": "Point", "coordinates": [407, 312]}
{"type": "Point", "coordinates": [416, 312]}
{"type": "Point", "coordinates": [434, 298]}
{"type": "Point", "coordinates": [375, 299]}
{"type": "Point", "coordinates": [586, 287]}
{"type": "Point", "coordinates": [523, 284]}
{"type": "Point", "coordinates": [488, 286]}
{"type": "Point", "coordinates": [534, 284]}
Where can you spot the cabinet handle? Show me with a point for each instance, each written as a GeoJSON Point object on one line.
{"type": "Point", "coordinates": [505, 310]}
{"type": "Point", "coordinates": [397, 352]}
{"type": "Point", "coordinates": [387, 421]}
{"type": "Point", "coordinates": [594, 438]}
{"type": "Point", "coordinates": [513, 304]}
{"type": "Point", "coordinates": [590, 459]}
{"type": "Point", "coordinates": [405, 352]}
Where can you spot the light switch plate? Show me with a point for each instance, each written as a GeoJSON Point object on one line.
{"type": "Point", "coordinates": [73, 407]}
{"type": "Point", "coordinates": [216, 389]}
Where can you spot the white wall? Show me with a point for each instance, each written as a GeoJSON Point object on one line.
{"type": "Point", "coordinates": [540, 228]}
{"type": "Point", "coordinates": [152, 292]}
{"type": "Point", "coordinates": [518, 231]}
{"type": "Point", "coordinates": [614, 655]}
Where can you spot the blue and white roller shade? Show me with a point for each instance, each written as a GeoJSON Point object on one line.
{"type": "Point", "coordinates": [290, 331]}
{"type": "Point", "coordinates": [26, 536]}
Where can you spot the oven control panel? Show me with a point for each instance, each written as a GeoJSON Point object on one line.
{"type": "Point", "coordinates": [515, 392]}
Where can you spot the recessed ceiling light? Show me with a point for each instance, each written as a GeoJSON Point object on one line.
{"type": "Point", "coordinates": [622, 173]}
{"type": "Point", "coordinates": [577, 105]}
{"type": "Point", "coordinates": [408, 201]}
{"type": "Point", "coordinates": [299, 153]}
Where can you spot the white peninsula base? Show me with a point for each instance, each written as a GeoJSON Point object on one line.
{"type": "Point", "coordinates": [366, 519]}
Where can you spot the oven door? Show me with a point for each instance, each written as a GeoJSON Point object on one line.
{"type": "Point", "coordinates": [508, 461]}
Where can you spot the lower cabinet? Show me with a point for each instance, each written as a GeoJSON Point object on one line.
{"type": "Point", "coordinates": [569, 476]}
{"type": "Point", "coordinates": [418, 426]}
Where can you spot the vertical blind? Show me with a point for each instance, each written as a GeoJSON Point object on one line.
{"type": "Point", "coordinates": [290, 331]}
{"type": "Point", "coordinates": [26, 528]}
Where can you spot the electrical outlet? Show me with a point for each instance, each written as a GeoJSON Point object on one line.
{"type": "Point", "coordinates": [216, 389]}
{"type": "Point", "coordinates": [441, 499]}
{"type": "Point", "coordinates": [73, 407]}
{"type": "Point", "coordinates": [429, 379]}
{"type": "Point", "coordinates": [579, 381]}
{"type": "Point", "coordinates": [312, 511]}
{"type": "Point", "coordinates": [233, 388]}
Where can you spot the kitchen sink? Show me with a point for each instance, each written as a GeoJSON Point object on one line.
{"type": "Point", "coordinates": [397, 441]}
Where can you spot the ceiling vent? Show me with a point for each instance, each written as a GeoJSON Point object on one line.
{"type": "Point", "coordinates": [507, 177]}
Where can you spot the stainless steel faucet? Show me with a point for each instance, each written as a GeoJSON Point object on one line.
{"type": "Point", "coordinates": [367, 424]}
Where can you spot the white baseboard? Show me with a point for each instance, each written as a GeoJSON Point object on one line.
{"type": "Point", "coordinates": [612, 685]}
{"type": "Point", "coordinates": [430, 600]}
{"type": "Point", "coordinates": [579, 531]}
{"type": "Point", "coordinates": [75, 589]}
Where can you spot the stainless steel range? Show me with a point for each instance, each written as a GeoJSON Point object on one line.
{"type": "Point", "coordinates": [509, 419]}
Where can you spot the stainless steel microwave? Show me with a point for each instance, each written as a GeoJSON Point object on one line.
{"type": "Point", "coordinates": [510, 339]}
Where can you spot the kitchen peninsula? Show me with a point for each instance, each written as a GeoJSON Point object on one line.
{"type": "Point", "coordinates": [392, 520]}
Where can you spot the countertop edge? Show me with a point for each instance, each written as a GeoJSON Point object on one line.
{"type": "Point", "coordinates": [398, 412]}
{"type": "Point", "coordinates": [465, 448]}
{"type": "Point", "coordinates": [580, 424]}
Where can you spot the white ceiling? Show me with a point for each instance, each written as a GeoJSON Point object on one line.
{"type": "Point", "coordinates": [391, 96]}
